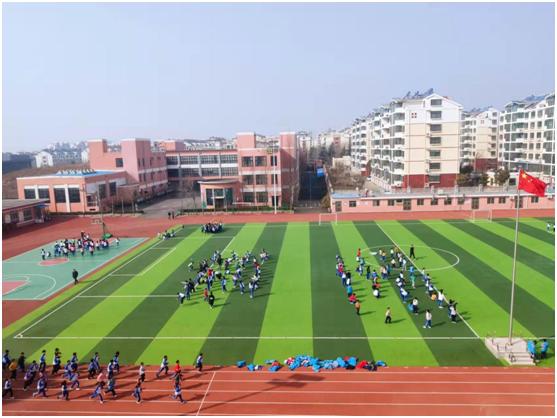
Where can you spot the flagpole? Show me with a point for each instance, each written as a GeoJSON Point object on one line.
{"type": "Point", "coordinates": [514, 264]}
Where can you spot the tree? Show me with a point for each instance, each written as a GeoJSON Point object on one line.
{"type": "Point", "coordinates": [466, 169]}
{"type": "Point", "coordinates": [484, 179]}
{"type": "Point", "coordinates": [502, 176]}
{"type": "Point", "coordinates": [463, 179]}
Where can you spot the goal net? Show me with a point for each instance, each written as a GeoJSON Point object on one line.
{"type": "Point", "coordinates": [481, 214]}
{"type": "Point", "coordinates": [328, 217]}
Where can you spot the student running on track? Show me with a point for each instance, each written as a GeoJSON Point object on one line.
{"type": "Point", "coordinates": [164, 366]}
{"type": "Point", "coordinates": [178, 393]}
{"type": "Point", "coordinates": [98, 392]}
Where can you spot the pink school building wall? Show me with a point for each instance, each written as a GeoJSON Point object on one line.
{"type": "Point", "coordinates": [142, 165]}
{"type": "Point", "coordinates": [71, 193]}
{"type": "Point", "coordinates": [425, 204]}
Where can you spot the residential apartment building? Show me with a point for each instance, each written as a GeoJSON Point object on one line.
{"type": "Point", "coordinates": [360, 144]}
{"type": "Point", "coordinates": [51, 158]}
{"type": "Point", "coordinates": [258, 171]}
{"type": "Point", "coordinates": [338, 139]}
{"type": "Point", "coordinates": [478, 138]}
{"type": "Point", "coordinates": [414, 142]}
{"type": "Point", "coordinates": [527, 136]}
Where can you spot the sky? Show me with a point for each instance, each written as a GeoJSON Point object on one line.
{"type": "Point", "coordinates": [73, 72]}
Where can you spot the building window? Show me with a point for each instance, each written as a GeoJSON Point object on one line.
{"type": "Point", "coordinates": [189, 159]}
{"type": "Point", "coordinates": [435, 166]}
{"type": "Point", "coordinates": [436, 115]}
{"type": "Point", "coordinates": [390, 202]}
{"type": "Point", "coordinates": [434, 202]}
{"type": "Point", "coordinates": [188, 172]}
{"type": "Point", "coordinates": [27, 214]}
{"type": "Point", "coordinates": [74, 195]}
{"type": "Point", "coordinates": [248, 180]}
{"type": "Point", "coordinates": [435, 128]}
{"type": "Point", "coordinates": [420, 202]}
{"type": "Point", "coordinates": [274, 179]}
{"type": "Point", "coordinates": [262, 197]}
{"type": "Point", "coordinates": [29, 194]}
{"type": "Point", "coordinates": [435, 140]}
{"type": "Point", "coordinates": [273, 160]}
{"type": "Point", "coordinates": [261, 179]}
{"type": "Point", "coordinates": [376, 202]}
{"type": "Point", "coordinates": [209, 197]}
{"type": "Point", "coordinates": [44, 194]}
{"type": "Point", "coordinates": [59, 195]}
{"type": "Point", "coordinates": [229, 171]}
{"type": "Point", "coordinates": [139, 162]}
{"type": "Point", "coordinates": [436, 153]}
{"type": "Point", "coordinates": [228, 159]}
{"type": "Point", "coordinates": [112, 187]}
{"type": "Point", "coordinates": [247, 197]}
{"type": "Point", "coordinates": [448, 201]}
{"type": "Point", "coordinates": [502, 200]}
{"type": "Point", "coordinates": [209, 159]}
{"type": "Point", "coordinates": [102, 191]}
{"type": "Point", "coordinates": [260, 161]}
{"type": "Point", "coordinates": [534, 199]}
{"type": "Point", "coordinates": [247, 162]}
{"type": "Point", "coordinates": [14, 217]}
{"type": "Point", "coordinates": [436, 102]}
{"type": "Point", "coordinates": [490, 200]}
{"type": "Point", "coordinates": [210, 172]}
{"type": "Point", "coordinates": [352, 203]}
{"type": "Point", "coordinates": [461, 200]}
{"type": "Point", "coordinates": [119, 162]}
{"type": "Point", "coordinates": [172, 160]}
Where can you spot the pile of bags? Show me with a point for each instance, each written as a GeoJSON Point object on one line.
{"type": "Point", "coordinates": [316, 364]}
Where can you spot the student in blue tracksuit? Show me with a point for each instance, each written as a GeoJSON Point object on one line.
{"type": "Point", "coordinates": [98, 392]}
{"type": "Point", "coordinates": [137, 392]}
{"type": "Point", "coordinates": [8, 389]}
{"type": "Point", "coordinates": [111, 388]}
{"type": "Point", "coordinates": [41, 387]}
{"type": "Point", "coordinates": [116, 361]}
{"type": "Point", "coordinates": [64, 392]}
{"type": "Point", "coordinates": [42, 362]}
{"type": "Point", "coordinates": [6, 360]}
{"type": "Point", "coordinates": [178, 393]}
{"type": "Point", "coordinates": [164, 366]}
{"type": "Point", "coordinates": [544, 348]}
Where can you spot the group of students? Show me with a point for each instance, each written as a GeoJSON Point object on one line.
{"type": "Point", "coordinates": [84, 244]}
{"type": "Point", "coordinates": [217, 269]}
{"type": "Point", "coordinates": [532, 347]}
{"type": "Point", "coordinates": [212, 227]}
{"type": "Point", "coordinates": [105, 383]}
{"type": "Point", "coordinates": [166, 234]}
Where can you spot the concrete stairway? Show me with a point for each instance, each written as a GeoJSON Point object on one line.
{"type": "Point", "coordinates": [514, 352]}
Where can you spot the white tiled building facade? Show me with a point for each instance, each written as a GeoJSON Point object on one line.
{"type": "Point", "coordinates": [359, 135]}
{"type": "Point", "coordinates": [527, 136]}
{"type": "Point", "coordinates": [478, 139]}
{"type": "Point", "coordinates": [415, 142]}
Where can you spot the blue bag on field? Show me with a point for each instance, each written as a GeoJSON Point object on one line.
{"type": "Point", "coordinates": [251, 367]}
{"type": "Point", "coordinates": [241, 364]}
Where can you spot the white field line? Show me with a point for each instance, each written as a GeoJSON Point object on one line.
{"type": "Point", "coordinates": [20, 334]}
{"type": "Point", "coordinates": [409, 259]}
{"type": "Point", "coordinates": [347, 403]}
{"type": "Point", "coordinates": [242, 338]}
{"type": "Point", "coordinates": [401, 382]}
{"type": "Point", "coordinates": [117, 413]}
{"type": "Point", "coordinates": [348, 392]}
{"type": "Point", "coordinates": [145, 270]}
{"type": "Point", "coordinates": [206, 392]}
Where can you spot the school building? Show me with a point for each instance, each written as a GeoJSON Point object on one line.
{"type": "Point", "coordinates": [18, 212]}
{"type": "Point", "coordinates": [251, 170]}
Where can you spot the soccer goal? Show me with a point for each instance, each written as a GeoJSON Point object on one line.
{"type": "Point", "coordinates": [328, 217]}
{"type": "Point", "coordinates": [481, 214]}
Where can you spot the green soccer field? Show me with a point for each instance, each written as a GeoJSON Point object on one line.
{"type": "Point", "coordinates": [301, 307]}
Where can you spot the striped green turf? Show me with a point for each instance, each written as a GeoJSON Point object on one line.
{"type": "Point", "coordinates": [242, 316]}
{"type": "Point", "coordinates": [332, 315]}
{"type": "Point", "coordinates": [59, 318]}
{"type": "Point", "coordinates": [134, 311]}
{"type": "Point", "coordinates": [447, 352]}
{"type": "Point", "coordinates": [528, 309]}
{"type": "Point", "coordinates": [289, 309]}
{"type": "Point", "coordinates": [527, 256]}
{"type": "Point", "coordinates": [194, 318]}
{"type": "Point", "coordinates": [413, 351]}
{"type": "Point", "coordinates": [534, 228]}
{"type": "Point", "coordinates": [490, 251]}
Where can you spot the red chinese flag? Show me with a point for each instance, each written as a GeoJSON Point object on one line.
{"type": "Point", "coordinates": [531, 184]}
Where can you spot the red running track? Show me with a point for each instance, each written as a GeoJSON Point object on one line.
{"type": "Point", "coordinates": [389, 391]}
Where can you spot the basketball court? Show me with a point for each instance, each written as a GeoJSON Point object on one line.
{"type": "Point", "coordinates": [28, 277]}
